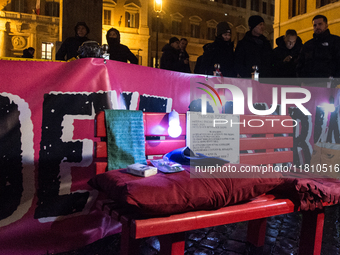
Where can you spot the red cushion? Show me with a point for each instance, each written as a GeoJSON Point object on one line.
{"type": "Point", "coordinates": [163, 194]}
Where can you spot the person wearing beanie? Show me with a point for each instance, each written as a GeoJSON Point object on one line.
{"type": "Point", "coordinates": [170, 57]}
{"type": "Point", "coordinates": [220, 52]}
{"type": "Point", "coordinates": [118, 51]}
{"type": "Point", "coordinates": [70, 46]}
{"type": "Point", "coordinates": [320, 56]}
{"type": "Point", "coordinates": [253, 50]}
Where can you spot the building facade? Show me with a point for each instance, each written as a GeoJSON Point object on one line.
{"type": "Point", "coordinates": [196, 20]}
{"type": "Point", "coordinates": [298, 15]}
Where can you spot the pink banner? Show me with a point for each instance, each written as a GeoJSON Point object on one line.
{"type": "Point", "coordinates": [47, 136]}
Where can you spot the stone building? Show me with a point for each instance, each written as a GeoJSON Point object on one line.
{"type": "Point", "coordinates": [22, 27]}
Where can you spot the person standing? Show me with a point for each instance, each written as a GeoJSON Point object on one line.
{"type": "Point", "coordinates": [118, 51]}
{"type": "Point", "coordinates": [28, 53]}
{"type": "Point", "coordinates": [184, 56]}
{"type": "Point", "coordinates": [70, 46]}
{"type": "Point", "coordinates": [220, 52]}
{"type": "Point", "coordinates": [285, 55]}
{"type": "Point", "coordinates": [253, 50]}
{"type": "Point", "coordinates": [320, 56]}
{"type": "Point", "coordinates": [170, 57]}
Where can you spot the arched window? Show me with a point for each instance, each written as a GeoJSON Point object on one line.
{"type": "Point", "coordinates": [176, 23]}
{"type": "Point", "coordinates": [131, 15]}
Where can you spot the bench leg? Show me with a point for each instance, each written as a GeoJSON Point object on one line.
{"type": "Point", "coordinates": [128, 244]}
{"type": "Point", "coordinates": [172, 244]}
{"type": "Point", "coordinates": [311, 232]}
{"type": "Point", "coordinates": [257, 232]}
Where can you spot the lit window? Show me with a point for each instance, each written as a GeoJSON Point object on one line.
{"type": "Point", "coordinates": [46, 51]}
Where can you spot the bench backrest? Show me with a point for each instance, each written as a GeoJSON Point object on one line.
{"type": "Point", "coordinates": [268, 144]}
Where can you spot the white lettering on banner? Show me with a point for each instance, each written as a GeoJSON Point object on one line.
{"type": "Point", "coordinates": [238, 100]}
{"type": "Point", "coordinates": [256, 122]}
{"type": "Point", "coordinates": [28, 184]}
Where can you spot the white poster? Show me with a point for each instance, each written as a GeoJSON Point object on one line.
{"type": "Point", "coordinates": [214, 135]}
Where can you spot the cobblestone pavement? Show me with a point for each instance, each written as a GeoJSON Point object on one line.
{"type": "Point", "coordinates": [282, 237]}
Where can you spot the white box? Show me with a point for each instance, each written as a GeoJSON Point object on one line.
{"type": "Point", "coordinates": [142, 170]}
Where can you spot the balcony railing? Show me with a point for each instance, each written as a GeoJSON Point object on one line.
{"type": "Point", "coordinates": [26, 16]}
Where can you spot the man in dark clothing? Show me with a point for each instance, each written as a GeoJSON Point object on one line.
{"type": "Point", "coordinates": [170, 57]}
{"type": "Point", "coordinates": [199, 67]}
{"type": "Point", "coordinates": [28, 53]}
{"type": "Point", "coordinates": [184, 56]}
{"type": "Point", "coordinates": [70, 46]}
{"type": "Point", "coordinates": [118, 51]}
{"type": "Point", "coordinates": [320, 56]}
{"type": "Point", "coordinates": [253, 50]}
{"type": "Point", "coordinates": [221, 52]}
{"type": "Point", "coordinates": [285, 55]}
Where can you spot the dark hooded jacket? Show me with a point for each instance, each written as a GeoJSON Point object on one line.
{"type": "Point", "coordinates": [118, 51]}
{"type": "Point", "coordinates": [170, 58]}
{"type": "Point", "coordinates": [219, 52]}
{"type": "Point", "coordinates": [253, 51]}
{"type": "Point", "coordinates": [69, 48]}
{"type": "Point", "coordinates": [320, 56]}
{"type": "Point", "coordinates": [285, 69]}
{"type": "Point", "coordinates": [27, 54]}
{"type": "Point", "coordinates": [199, 67]}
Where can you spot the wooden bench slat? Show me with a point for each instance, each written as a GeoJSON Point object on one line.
{"type": "Point", "coordinates": [259, 143]}
{"type": "Point", "coordinates": [266, 158]}
{"type": "Point", "coordinates": [202, 219]}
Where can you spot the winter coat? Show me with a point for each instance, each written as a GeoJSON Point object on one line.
{"type": "Point", "coordinates": [320, 56]}
{"type": "Point", "coordinates": [170, 58]}
{"type": "Point", "coordinates": [69, 48]}
{"type": "Point", "coordinates": [185, 68]}
{"type": "Point", "coordinates": [285, 69]}
{"type": "Point", "coordinates": [219, 52]}
{"type": "Point", "coordinates": [253, 51]}
{"type": "Point", "coordinates": [27, 54]}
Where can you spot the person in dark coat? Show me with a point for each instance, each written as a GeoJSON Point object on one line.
{"type": "Point", "coordinates": [320, 56]}
{"type": "Point", "coordinates": [118, 51]}
{"type": "Point", "coordinates": [285, 55]}
{"type": "Point", "coordinates": [184, 56]}
{"type": "Point", "coordinates": [221, 52]}
{"type": "Point", "coordinates": [199, 62]}
{"type": "Point", "coordinates": [253, 50]}
{"type": "Point", "coordinates": [70, 46]}
{"type": "Point", "coordinates": [170, 57]}
{"type": "Point", "coordinates": [28, 53]}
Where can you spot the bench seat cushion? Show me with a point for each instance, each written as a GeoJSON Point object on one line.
{"type": "Point", "coordinates": [164, 194]}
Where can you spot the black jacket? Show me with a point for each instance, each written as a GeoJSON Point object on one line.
{"type": "Point", "coordinates": [170, 58]}
{"type": "Point", "coordinates": [253, 51]}
{"type": "Point", "coordinates": [320, 56]}
{"type": "Point", "coordinates": [122, 53]}
{"type": "Point", "coordinates": [185, 68]}
{"type": "Point", "coordinates": [285, 69]}
{"type": "Point", "coordinates": [219, 52]}
{"type": "Point", "coordinates": [69, 48]}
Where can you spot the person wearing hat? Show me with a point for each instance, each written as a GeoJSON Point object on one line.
{"type": "Point", "coordinates": [70, 46]}
{"type": "Point", "coordinates": [253, 50]}
{"type": "Point", "coordinates": [220, 52]}
{"type": "Point", "coordinates": [118, 51]}
{"type": "Point", "coordinates": [170, 57]}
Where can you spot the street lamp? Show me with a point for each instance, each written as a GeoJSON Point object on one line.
{"type": "Point", "coordinates": [158, 9]}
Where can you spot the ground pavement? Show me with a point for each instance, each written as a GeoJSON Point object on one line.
{"type": "Point", "coordinates": [282, 237]}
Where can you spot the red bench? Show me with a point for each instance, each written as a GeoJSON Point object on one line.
{"type": "Point", "coordinates": [171, 229]}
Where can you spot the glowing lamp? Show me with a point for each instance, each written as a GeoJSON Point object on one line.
{"type": "Point", "coordinates": [174, 129]}
{"type": "Point", "coordinates": [328, 107]}
{"type": "Point", "coordinates": [158, 6]}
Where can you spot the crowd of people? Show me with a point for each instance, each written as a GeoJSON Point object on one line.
{"type": "Point", "coordinates": [318, 57]}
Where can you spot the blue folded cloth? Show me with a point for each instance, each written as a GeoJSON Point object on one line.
{"type": "Point", "coordinates": [125, 138]}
